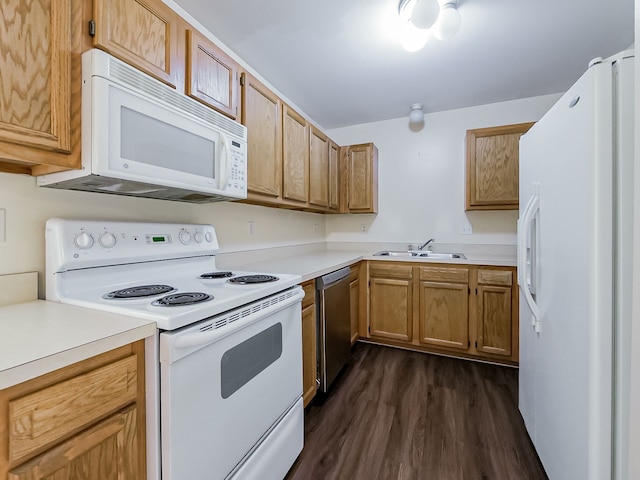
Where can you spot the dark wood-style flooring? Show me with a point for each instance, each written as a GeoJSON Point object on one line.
{"type": "Point", "coordinates": [395, 414]}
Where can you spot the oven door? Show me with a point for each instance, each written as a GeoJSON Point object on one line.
{"type": "Point", "coordinates": [226, 384]}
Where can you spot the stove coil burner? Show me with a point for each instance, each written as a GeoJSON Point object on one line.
{"type": "Point", "coordinates": [181, 299]}
{"type": "Point", "coordinates": [139, 292]}
{"type": "Point", "coordinates": [216, 275]}
{"type": "Point", "coordinates": [250, 279]}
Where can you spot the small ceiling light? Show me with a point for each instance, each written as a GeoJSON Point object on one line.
{"type": "Point", "coordinates": [416, 115]}
{"type": "Point", "coordinates": [425, 13]}
{"type": "Point", "coordinates": [448, 22]}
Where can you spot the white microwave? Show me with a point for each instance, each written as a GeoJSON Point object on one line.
{"type": "Point", "coordinates": [142, 138]}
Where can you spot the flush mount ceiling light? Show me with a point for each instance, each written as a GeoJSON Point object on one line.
{"type": "Point", "coordinates": [416, 115]}
{"type": "Point", "coordinates": [420, 17]}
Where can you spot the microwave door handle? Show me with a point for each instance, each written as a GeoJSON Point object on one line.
{"type": "Point", "coordinates": [225, 163]}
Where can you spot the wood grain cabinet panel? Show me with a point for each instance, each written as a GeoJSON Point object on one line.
{"type": "Point", "coordinates": [86, 420]}
{"type": "Point", "coordinates": [262, 115]}
{"type": "Point", "coordinates": [495, 305]}
{"type": "Point", "coordinates": [334, 177]}
{"type": "Point", "coordinates": [40, 84]}
{"type": "Point", "coordinates": [391, 302]}
{"type": "Point", "coordinates": [143, 33]}
{"type": "Point", "coordinates": [295, 174]}
{"type": "Point", "coordinates": [318, 168]}
{"type": "Point", "coordinates": [309, 343]}
{"type": "Point", "coordinates": [212, 76]}
{"type": "Point", "coordinates": [444, 314]}
{"type": "Point", "coordinates": [492, 167]}
{"type": "Point", "coordinates": [105, 451]}
{"type": "Point", "coordinates": [354, 299]}
{"type": "Point", "coordinates": [360, 173]}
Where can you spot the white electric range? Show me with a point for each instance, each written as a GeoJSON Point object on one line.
{"type": "Point", "coordinates": [230, 354]}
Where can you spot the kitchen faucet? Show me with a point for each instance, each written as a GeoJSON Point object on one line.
{"type": "Point", "coordinates": [421, 247]}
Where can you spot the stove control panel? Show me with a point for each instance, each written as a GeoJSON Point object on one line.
{"type": "Point", "coordinates": [72, 244]}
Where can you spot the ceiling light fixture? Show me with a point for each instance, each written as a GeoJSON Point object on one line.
{"type": "Point", "coordinates": [420, 17]}
{"type": "Point", "coordinates": [416, 115]}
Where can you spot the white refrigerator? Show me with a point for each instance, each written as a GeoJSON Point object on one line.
{"type": "Point", "coordinates": [574, 272]}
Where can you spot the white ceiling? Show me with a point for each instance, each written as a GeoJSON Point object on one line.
{"type": "Point", "coordinates": [338, 61]}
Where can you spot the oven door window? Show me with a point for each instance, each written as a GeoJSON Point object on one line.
{"type": "Point", "coordinates": [240, 364]}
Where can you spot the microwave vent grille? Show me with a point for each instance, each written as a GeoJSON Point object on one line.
{"type": "Point", "coordinates": [133, 78]}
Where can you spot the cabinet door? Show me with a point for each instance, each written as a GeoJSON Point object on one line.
{"type": "Point", "coordinates": [444, 307]}
{"type": "Point", "coordinates": [262, 115]}
{"type": "Point", "coordinates": [391, 302]}
{"type": "Point", "coordinates": [362, 178]}
{"type": "Point", "coordinates": [354, 297]}
{"type": "Point", "coordinates": [142, 33]}
{"type": "Point", "coordinates": [318, 168]}
{"type": "Point", "coordinates": [295, 175]}
{"type": "Point", "coordinates": [212, 76]}
{"type": "Point", "coordinates": [492, 167]}
{"type": "Point", "coordinates": [334, 177]}
{"type": "Point", "coordinates": [494, 312]}
{"type": "Point", "coordinates": [39, 110]}
{"type": "Point", "coordinates": [309, 345]}
{"type": "Point", "coordinates": [106, 451]}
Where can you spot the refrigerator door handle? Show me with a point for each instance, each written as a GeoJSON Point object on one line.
{"type": "Point", "coordinates": [524, 233]}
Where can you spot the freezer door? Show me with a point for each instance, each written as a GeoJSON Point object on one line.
{"type": "Point", "coordinates": [565, 368]}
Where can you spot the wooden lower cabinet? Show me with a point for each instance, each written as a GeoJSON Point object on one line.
{"type": "Point", "coordinates": [354, 300]}
{"type": "Point", "coordinates": [309, 343]}
{"type": "Point", "coordinates": [444, 307]}
{"type": "Point", "coordinates": [86, 420]}
{"type": "Point", "coordinates": [460, 310]}
{"type": "Point", "coordinates": [391, 301]}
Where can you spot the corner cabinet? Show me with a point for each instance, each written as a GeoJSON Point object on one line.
{"type": "Point", "coordinates": [459, 310]}
{"type": "Point", "coordinates": [295, 157]}
{"type": "Point", "coordinates": [492, 167]}
{"type": "Point", "coordinates": [88, 417]}
{"type": "Point", "coordinates": [41, 84]}
{"type": "Point", "coordinates": [318, 168]}
{"type": "Point", "coordinates": [360, 178]}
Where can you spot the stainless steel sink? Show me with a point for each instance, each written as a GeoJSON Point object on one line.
{"type": "Point", "coordinates": [419, 254]}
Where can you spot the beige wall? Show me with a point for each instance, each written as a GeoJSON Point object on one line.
{"type": "Point", "coordinates": [421, 177]}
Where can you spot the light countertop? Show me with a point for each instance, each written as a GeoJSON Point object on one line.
{"type": "Point", "coordinates": [38, 337]}
{"type": "Point", "coordinates": [310, 265]}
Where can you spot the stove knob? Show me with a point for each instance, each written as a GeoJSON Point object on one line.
{"type": "Point", "coordinates": [184, 237]}
{"type": "Point", "coordinates": [107, 240]}
{"type": "Point", "coordinates": [83, 240]}
{"type": "Point", "coordinates": [198, 237]}
{"type": "Point", "coordinates": [208, 237]}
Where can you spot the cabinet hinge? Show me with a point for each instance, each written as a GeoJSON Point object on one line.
{"type": "Point", "coordinates": [476, 344]}
{"type": "Point", "coordinates": [92, 28]}
{"type": "Point", "coordinates": [468, 343]}
{"type": "Point", "coordinates": [242, 79]}
{"type": "Point", "coordinates": [476, 291]}
{"type": "Point", "coordinates": [469, 290]}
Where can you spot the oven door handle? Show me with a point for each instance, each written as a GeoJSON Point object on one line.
{"type": "Point", "coordinates": [199, 339]}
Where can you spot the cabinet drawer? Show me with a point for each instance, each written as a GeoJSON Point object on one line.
{"type": "Point", "coordinates": [47, 415]}
{"type": "Point", "coordinates": [495, 277]}
{"type": "Point", "coordinates": [309, 293]}
{"type": "Point", "coordinates": [390, 271]}
{"type": "Point", "coordinates": [445, 274]}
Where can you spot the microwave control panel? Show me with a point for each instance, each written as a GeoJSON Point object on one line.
{"type": "Point", "coordinates": [237, 179]}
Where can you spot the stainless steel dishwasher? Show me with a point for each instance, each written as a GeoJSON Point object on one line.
{"type": "Point", "coordinates": [334, 325]}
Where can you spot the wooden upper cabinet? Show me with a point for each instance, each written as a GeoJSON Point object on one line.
{"type": "Point", "coordinates": [318, 168]}
{"type": "Point", "coordinates": [360, 170]}
{"type": "Point", "coordinates": [40, 99]}
{"type": "Point", "coordinates": [295, 174]}
{"type": "Point", "coordinates": [212, 76]}
{"type": "Point", "coordinates": [143, 33]}
{"type": "Point", "coordinates": [262, 115]}
{"type": "Point", "coordinates": [334, 177]}
{"type": "Point", "coordinates": [492, 167]}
